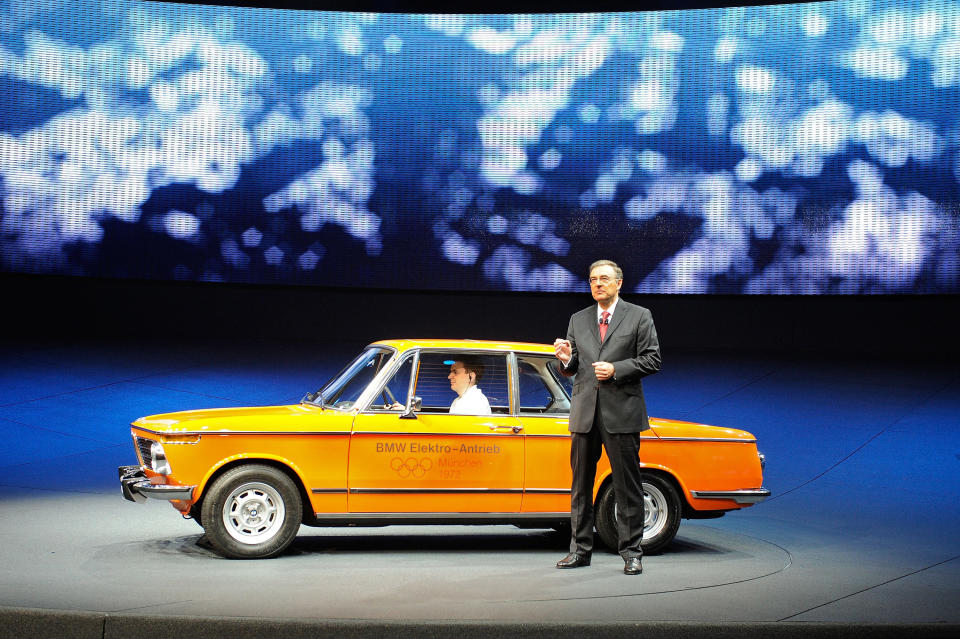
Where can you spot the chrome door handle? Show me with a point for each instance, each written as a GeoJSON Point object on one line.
{"type": "Point", "coordinates": [515, 429]}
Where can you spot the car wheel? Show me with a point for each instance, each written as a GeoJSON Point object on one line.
{"type": "Point", "coordinates": [661, 510]}
{"type": "Point", "coordinates": [251, 512]}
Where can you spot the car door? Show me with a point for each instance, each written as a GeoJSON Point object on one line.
{"type": "Point", "coordinates": [430, 461]}
{"type": "Point", "coordinates": [544, 410]}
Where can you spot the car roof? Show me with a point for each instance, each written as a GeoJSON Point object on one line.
{"type": "Point", "coordinates": [466, 345]}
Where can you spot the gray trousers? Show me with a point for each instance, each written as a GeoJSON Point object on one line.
{"type": "Point", "coordinates": [622, 450]}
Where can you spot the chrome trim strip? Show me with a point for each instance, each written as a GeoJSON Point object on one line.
{"type": "Point", "coordinates": [569, 435]}
{"type": "Point", "coordinates": [344, 433]}
{"type": "Point", "coordinates": [436, 515]}
{"type": "Point", "coordinates": [547, 491]}
{"type": "Point", "coordinates": [404, 491]}
{"type": "Point", "coordinates": [438, 434]}
{"type": "Point", "coordinates": [742, 496]}
{"type": "Point", "coordinates": [513, 384]}
{"type": "Point", "coordinates": [706, 439]}
{"type": "Point", "coordinates": [414, 376]}
{"type": "Point", "coordinates": [433, 491]}
{"type": "Point", "coordinates": [242, 432]}
{"type": "Point", "coordinates": [546, 435]}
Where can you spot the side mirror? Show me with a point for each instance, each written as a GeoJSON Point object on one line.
{"type": "Point", "coordinates": [311, 397]}
{"type": "Point", "coordinates": [412, 409]}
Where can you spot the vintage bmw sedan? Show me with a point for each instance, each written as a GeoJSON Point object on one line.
{"type": "Point", "coordinates": [379, 444]}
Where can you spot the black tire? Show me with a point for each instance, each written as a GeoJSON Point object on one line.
{"type": "Point", "coordinates": [661, 515]}
{"type": "Point", "coordinates": [196, 514]}
{"type": "Point", "coordinates": [251, 512]}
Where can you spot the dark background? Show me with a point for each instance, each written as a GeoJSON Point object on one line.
{"type": "Point", "coordinates": [74, 308]}
{"type": "Point", "coordinates": [65, 308]}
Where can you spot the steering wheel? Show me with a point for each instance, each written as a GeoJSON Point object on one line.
{"type": "Point", "coordinates": [389, 401]}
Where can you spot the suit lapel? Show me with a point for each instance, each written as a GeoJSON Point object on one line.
{"type": "Point", "coordinates": [593, 330]}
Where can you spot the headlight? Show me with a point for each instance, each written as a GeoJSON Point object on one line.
{"type": "Point", "coordinates": [158, 459]}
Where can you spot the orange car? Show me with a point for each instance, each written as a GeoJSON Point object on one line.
{"type": "Point", "coordinates": [378, 445]}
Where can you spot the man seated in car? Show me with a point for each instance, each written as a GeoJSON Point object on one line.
{"type": "Point", "coordinates": [464, 375]}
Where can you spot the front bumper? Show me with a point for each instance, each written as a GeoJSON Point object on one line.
{"type": "Point", "coordinates": [136, 487]}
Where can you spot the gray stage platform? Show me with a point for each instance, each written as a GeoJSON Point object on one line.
{"type": "Point", "coordinates": [847, 545]}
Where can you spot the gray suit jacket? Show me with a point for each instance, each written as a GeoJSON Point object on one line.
{"type": "Point", "coordinates": [631, 346]}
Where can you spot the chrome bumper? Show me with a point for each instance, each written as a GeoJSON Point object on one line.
{"type": "Point", "coordinates": [743, 496]}
{"type": "Point", "coordinates": [136, 487]}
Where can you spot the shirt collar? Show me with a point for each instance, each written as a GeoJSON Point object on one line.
{"type": "Point", "coordinates": [609, 310]}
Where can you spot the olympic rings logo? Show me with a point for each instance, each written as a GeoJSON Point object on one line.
{"type": "Point", "coordinates": [411, 467]}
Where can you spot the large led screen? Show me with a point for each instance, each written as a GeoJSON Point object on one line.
{"type": "Point", "coordinates": [791, 149]}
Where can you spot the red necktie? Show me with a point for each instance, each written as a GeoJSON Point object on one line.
{"type": "Point", "coordinates": [604, 322]}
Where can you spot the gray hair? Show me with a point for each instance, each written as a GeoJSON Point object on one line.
{"type": "Point", "coordinates": [616, 269]}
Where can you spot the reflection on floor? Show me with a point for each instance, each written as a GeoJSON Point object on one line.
{"type": "Point", "coordinates": [863, 459]}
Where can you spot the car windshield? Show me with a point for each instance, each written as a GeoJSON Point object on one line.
{"type": "Point", "coordinates": [345, 388]}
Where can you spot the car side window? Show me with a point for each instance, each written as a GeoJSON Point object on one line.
{"type": "Point", "coordinates": [477, 380]}
{"type": "Point", "coordinates": [393, 395]}
{"type": "Point", "coordinates": [541, 391]}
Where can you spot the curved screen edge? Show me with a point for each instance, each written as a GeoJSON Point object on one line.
{"type": "Point", "coordinates": [786, 149]}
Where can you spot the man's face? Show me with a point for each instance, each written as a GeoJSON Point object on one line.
{"type": "Point", "coordinates": [604, 285]}
{"type": "Point", "coordinates": [459, 378]}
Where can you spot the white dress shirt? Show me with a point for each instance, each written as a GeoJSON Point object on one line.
{"type": "Point", "coordinates": [600, 310]}
{"type": "Point", "coordinates": [472, 402]}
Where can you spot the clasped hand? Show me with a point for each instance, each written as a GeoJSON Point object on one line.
{"type": "Point", "coordinates": [603, 370]}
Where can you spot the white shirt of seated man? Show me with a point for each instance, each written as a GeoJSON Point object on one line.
{"type": "Point", "coordinates": [470, 399]}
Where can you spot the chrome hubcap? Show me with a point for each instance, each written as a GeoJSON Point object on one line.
{"type": "Point", "coordinates": [654, 511]}
{"type": "Point", "coordinates": [253, 513]}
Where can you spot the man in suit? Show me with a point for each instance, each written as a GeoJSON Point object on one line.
{"type": "Point", "coordinates": [610, 347]}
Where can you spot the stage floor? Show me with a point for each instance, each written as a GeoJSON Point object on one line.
{"type": "Point", "coordinates": [863, 459]}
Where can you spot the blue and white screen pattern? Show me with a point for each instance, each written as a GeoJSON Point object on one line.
{"type": "Point", "coordinates": [790, 149]}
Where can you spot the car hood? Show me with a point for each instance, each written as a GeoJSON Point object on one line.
{"type": "Point", "coordinates": [673, 429]}
{"type": "Point", "coordinates": [294, 417]}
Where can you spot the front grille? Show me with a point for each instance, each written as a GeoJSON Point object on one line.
{"type": "Point", "coordinates": [143, 449]}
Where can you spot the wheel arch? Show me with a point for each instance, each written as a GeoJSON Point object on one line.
{"type": "Point", "coordinates": [660, 471]}
{"type": "Point", "coordinates": [284, 465]}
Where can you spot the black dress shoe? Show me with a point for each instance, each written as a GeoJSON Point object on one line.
{"type": "Point", "coordinates": [632, 566]}
{"type": "Point", "coordinates": [574, 560]}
